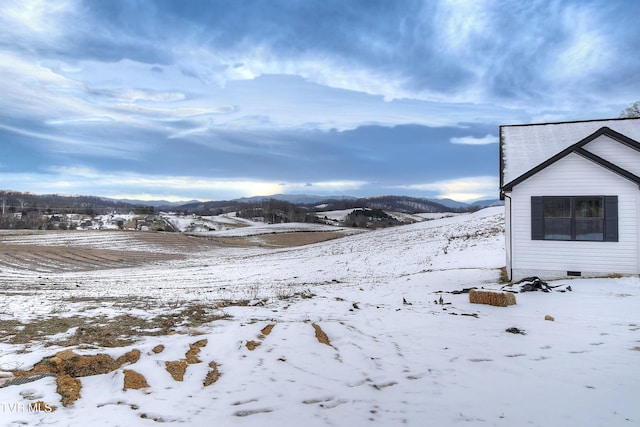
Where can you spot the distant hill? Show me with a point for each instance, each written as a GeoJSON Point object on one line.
{"type": "Point", "coordinates": [403, 204]}
{"type": "Point", "coordinates": [488, 203]}
{"type": "Point", "coordinates": [22, 202]}
{"type": "Point", "coordinates": [11, 201]}
{"type": "Point", "coordinates": [298, 199]}
{"type": "Point", "coordinates": [154, 203]}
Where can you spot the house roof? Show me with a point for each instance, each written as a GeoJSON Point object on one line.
{"type": "Point", "coordinates": [578, 149]}
{"type": "Point", "coordinates": [527, 149]}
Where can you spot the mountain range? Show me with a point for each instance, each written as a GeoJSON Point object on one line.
{"type": "Point", "coordinates": [11, 201]}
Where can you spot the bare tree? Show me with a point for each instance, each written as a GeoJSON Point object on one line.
{"type": "Point", "coordinates": [633, 110]}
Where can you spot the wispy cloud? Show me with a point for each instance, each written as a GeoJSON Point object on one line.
{"type": "Point", "coordinates": [391, 93]}
{"type": "Point", "coordinates": [472, 140]}
{"type": "Point", "coordinates": [87, 180]}
{"type": "Point", "coordinates": [461, 189]}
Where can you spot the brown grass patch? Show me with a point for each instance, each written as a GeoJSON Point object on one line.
{"type": "Point", "coordinates": [177, 369]}
{"type": "Point", "coordinates": [67, 362]}
{"type": "Point", "coordinates": [279, 240]}
{"type": "Point", "coordinates": [267, 329]}
{"type": "Point", "coordinates": [213, 374]}
{"type": "Point", "coordinates": [68, 388]}
{"type": "Point", "coordinates": [194, 349]}
{"type": "Point", "coordinates": [504, 277]}
{"type": "Point", "coordinates": [299, 238]}
{"type": "Point", "coordinates": [134, 380]}
{"type": "Point", "coordinates": [118, 331]}
{"type": "Point", "coordinates": [130, 357]}
{"type": "Point", "coordinates": [320, 335]}
{"type": "Point", "coordinates": [252, 345]}
{"type": "Point", "coordinates": [52, 259]}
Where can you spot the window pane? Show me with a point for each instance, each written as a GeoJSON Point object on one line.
{"type": "Point", "coordinates": [589, 208]}
{"type": "Point", "coordinates": [557, 207]}
{"type": "Point", "coordinates": [557, 228]}
{"type": "Point", "coordinates": [589, 229]}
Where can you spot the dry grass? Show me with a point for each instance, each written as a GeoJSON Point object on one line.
{"type": "Point", "coordinates": [504, 277]}
{"type": "Point", "coordinates": [213, 375]}
{"type": "Point", "coordinates": [118, 331]}
{"type": "Point", "coordinates": [252, 345]}
{"type": "Point", "coordinates": [194, 349]}
{"type": "Point", "coordinates": [320, 335]}
{"type": "Point", "coordinates": [267, 330]}
{"type": "Point", "coordinates": [68, 388]}
{"type": "Point", "coordinates": [134, 380]}
{"type": "Point", "coordinates": [177, 369]}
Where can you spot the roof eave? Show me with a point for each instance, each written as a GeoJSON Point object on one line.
{"type": "Point", "coordinates": [576, 148]}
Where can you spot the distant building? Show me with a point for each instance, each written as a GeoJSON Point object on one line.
{"type": "Point", "coordinates": [572, 198]}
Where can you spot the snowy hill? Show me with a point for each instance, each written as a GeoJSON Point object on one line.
{"type": "Point", "coordinates": [348, 331]}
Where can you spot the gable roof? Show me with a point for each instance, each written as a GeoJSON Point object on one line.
{"type": "Point", "coordinates": [527, 149]}
{"type": "Point", "coordinates": [578, 149]}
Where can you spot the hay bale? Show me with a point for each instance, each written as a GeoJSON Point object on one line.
{"type": "Point", "coordinates": [498, 299]}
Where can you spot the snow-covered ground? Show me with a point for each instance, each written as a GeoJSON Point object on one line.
{"type": "Point", "coordinates": [197, 223]}
{"type": "Point", "coordinates": [396, 356]}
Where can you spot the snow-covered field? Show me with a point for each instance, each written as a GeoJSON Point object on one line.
{"type": "Point", "coordinates": [395, 355]}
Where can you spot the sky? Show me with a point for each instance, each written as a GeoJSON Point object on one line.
{"type": "Point", "coordinates": [213, 100]}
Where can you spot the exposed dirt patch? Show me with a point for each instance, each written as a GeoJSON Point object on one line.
{"type": "Point", "coordinates": [68, 362]}
{"type": "Point", "coordinates": [52, 259]}
{"type": "Point", "coordinates": [279, 240]}
{"type": "Point", "coordinates": [320, 335]}
{"type": "Point", "coordinates": [267, 329]}
{"type": "Point", "coordinates": [177, 369]}
{"type": "Point", "coordinates": [118, 331]}
{"type": "Point", "coordinates": [68, 388]}
{"type": "Point", "coordinates": [130, 357]}
{"type": "Point", "coordinates": [158, 349]}
{"type": "Point", "coordinates": [134, 380]}
{"type": "Point", "coordinates": [213, 375]}
{"type": "Point", "coordinates": [194, 349]}
{"type": "Point", "coordinates": [252, 345]}
{"type": "Point", "coordinates": [66, 251]}
{"type": "Point", "coordinates": [299, 238]}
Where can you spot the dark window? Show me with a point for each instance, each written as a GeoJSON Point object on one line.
{"type": "Point", "coordinates": [557, 218]}
{"type": "Point", "coordinates": [590, 218]}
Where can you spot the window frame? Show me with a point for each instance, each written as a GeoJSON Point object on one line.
{"type": "Point", "coordinates": [608, 221]}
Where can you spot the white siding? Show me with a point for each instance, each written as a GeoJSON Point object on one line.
{"type": "Point", "coordinates": [507, 231]}
{"type": "Point", "coordinates": [574, 176]}
{"type": "Point", "coordinates": [615, 152]}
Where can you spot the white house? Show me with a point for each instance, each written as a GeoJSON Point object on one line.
{"type": "Point", "coordinates": [572, 197]}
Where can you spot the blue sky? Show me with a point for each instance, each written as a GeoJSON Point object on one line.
{"type": "Point", "coordinates": [208, 100]}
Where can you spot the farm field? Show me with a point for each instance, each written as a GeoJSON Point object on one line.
{"type": "Point", "coordinates": [283, 325]}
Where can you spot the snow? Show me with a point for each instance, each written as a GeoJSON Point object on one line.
{"type": "Point", "coordinates": [389, 362]}
{"type": "Point", "coordinates": [196, 223]}
{"type": "Point", "coordinates": [526, 146]}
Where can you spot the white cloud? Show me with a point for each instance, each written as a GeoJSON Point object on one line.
{"type": "Point", "coordinates": [324, 186]}
{"type": "Point", "coordinates": [90, 181]}
{"type": "Point", "coordinates": [472, 140]}
{"type": "Point", "coordinates": [40, 19]}
{"type": "Point", "coordinates": [461, 189]}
